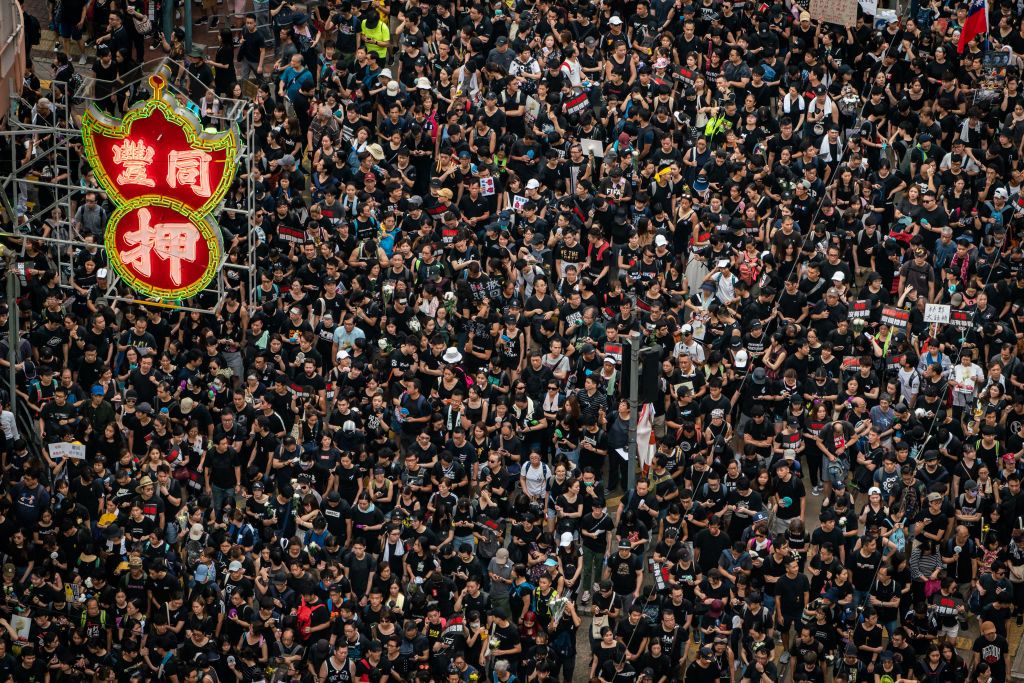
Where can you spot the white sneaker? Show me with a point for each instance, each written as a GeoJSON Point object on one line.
{"type": "Point", "coordinates": [585, 598]}
{"type": "Point", "coordinates": [83, 59]}
{"type": "Point", "coordinates": [784, 658]}
{"type": "Point", "coordinates": [816, 491]}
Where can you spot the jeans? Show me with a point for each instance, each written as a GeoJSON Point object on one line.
{"type": "Point", "coordinates": [593, 568]}
{"type": "Point", "coordinates": [248, 70]}
{"type": "Point", "coordinates": [891, 626]}
{"type": "Point", "coordinates": [219, 495]}
{"type": "Point", "coordinates": [261, 8]}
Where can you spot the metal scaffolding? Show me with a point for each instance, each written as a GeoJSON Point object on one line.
{"type": "Point", "coordinates": [31, 199]}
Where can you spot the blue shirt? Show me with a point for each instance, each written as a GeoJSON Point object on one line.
{"type": "Point", "coordinates": [294, 79]}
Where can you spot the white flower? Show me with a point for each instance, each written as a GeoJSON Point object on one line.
{"type": "Point", "coordinates": [383, 344]}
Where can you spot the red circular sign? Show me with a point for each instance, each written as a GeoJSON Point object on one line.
{"type": "Point", "coordinates": [162, 252]}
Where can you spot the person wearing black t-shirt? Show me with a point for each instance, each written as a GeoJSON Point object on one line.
{"type": "Point", "coordinates": [702, 669]}
{"type": "Point", "coordinates": [792, 593]}
{"type": "Point", "coordinates": [790, 496]}
{"type": "Point", "coordinates": [709, 543]}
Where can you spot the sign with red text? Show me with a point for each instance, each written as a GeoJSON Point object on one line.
{"type": "Point", "coordinates": [164, 175]}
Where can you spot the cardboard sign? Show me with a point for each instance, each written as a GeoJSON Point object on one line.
{"type": "Point", "coordinates": [962, 320]}
{"type": "Point", "coordinates": [839, 12]}
{"type": "Point", "coordinates": [518, 201]}
{"type": "Point", "coordinates": [860, 309]}
{"type": "Point", "coordinates": [936, 313]}
{"type": "Point", "coordinates": [870, 7]}
{"type": "Point", "coordinates": [895, 317]}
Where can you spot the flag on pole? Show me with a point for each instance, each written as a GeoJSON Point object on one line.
{"type": "Point", "coordinates": [976, 23]}
{"type": "Point", "coordinates": [646, 443]}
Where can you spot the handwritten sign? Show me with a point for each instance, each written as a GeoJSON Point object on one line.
{"type": "Point", "coordinates": [962, 320]}
{"type": "Point", "coordinates": [75, 451]}
{"type": "Point", "coordinates": [840, 12]}
{"type": "Point", "coordinates": [860, 309]}
{"type": "Point", "coordinates": [895, 317]}
{"type": "Point", "coordinates": [936, 313]}
{"type": "Point", "coordinates": [870, 7]}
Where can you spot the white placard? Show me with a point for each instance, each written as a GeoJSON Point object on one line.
{"type": "Point", "coordinates": [870, 7]}
{"type": "Point", "coordinates": [936, 313]}
{"type": "Point", "coordinates": [589, 145]}
{"type": "Point", "coordinates": [22, 627]}
{"type": "Point", "coordinates": [75, 451]}
{"type": "Point", "coordinates": [839, 12]}
{"type": "Point", "coordinates": [487, 186]}
{"type": "Point", "coordinates": [532, 109]}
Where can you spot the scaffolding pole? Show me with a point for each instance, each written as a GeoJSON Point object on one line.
{"type": "Point", "coordinates": [23, 187]}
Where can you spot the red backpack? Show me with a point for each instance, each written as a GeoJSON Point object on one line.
{"type": "Point", "coordinates": [304, 618]}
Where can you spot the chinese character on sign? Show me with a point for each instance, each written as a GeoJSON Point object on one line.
{"type": "Point", "coordinates": [135, 158]}
{"type": "Point", "coordinates": [191, 168]}
{"type": "Point", "coordinates": [173, 242]}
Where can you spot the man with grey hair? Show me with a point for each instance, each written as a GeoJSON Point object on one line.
{"type": "Point", "coordinates": [91, 218]}
{"type": "Point", "coordinates": [499, 570]}
{"type": "Point", "coordinates": [323, 125]}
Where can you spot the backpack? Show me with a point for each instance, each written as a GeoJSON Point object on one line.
{"type": "Point", "coordinates": [85, 617]}
{"type": "Point", "coordinates": [304, 618]}
{"type": "Point", "coordinates": [488, 540]}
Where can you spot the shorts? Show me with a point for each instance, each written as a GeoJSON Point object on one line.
{"type": "Point", "coordinates": [69, 29]}
{"type": "Point", "coordinates": [788, 621]}
{"type": "Point", "coordinates": [950, 632]}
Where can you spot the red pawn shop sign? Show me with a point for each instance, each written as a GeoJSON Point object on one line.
{"type": "Point", "coordinates": [164, 175]}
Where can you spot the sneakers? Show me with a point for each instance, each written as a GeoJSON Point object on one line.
{"type": "Point", "coordinates": [200, 21]}
{"type": "Point", "coordinates": [816, 491]}
{"type": "Point", "coordinates": [83, 59]}
{"type": "Point", "coordinates": [215, 22]}
{"type": "Point", "coordinates": [585, 598]}
{"type": "Point", "coordinates": [784, 658]}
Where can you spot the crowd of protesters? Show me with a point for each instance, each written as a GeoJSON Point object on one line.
{"type": "Point", "coordinates": [401, 454]}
